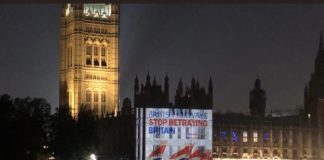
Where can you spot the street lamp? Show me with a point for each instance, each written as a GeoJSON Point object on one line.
{"type": "Point", "coordinates": [93, 157]}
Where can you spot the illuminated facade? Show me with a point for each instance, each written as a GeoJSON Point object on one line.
{"type": "Point", "coordinates": [89, 62]}
{"type": "Point", "coordinates": [250, 137]}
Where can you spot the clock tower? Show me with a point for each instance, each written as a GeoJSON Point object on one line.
{"type": "Point", "coordinates": [89, 59]}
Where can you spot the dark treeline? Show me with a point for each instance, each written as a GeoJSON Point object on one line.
{"type": "Point", "coordinates": [30, 132]}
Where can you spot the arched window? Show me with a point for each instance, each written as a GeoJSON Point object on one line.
{"type": "Point", "coordinates": [96, 56]}
{"type": "Point", "coordinates": [88, 55]}
{"type": "Point", "coordinates": [103, 56]}
{"type": "Point", "coordinates": [103, 97]}
{"type": "Point", "coordinates": [95, 97]}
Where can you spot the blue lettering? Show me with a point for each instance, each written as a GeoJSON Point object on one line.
{"type": "Point", "coordinates": [161, 130]}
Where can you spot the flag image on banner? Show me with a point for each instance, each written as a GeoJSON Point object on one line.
{"type": "Point", "coordinates": [183, 154]}
{"type": "Point", "coordinates": [173, 133]}
{"type": "Point", "coordinates": [200, 154]}
{"type": "Point", "coordinates": [157, 153]}
{"type": "Point", "coordinates": [196, 155]}
{"type": "Point", "coordinates": [207, 155]}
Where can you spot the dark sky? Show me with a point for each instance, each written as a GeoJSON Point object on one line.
{"type": "Point", "coordinates": [232, 43]}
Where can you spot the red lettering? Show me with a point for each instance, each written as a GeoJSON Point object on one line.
{"type": "Point", "coordinates": [164, 121]}
{"type": "Point", "coordinates": [151, 122]}
{"type": "Point", "coordinates": [205, 123]}
{"type": "Point", "coordinates": [189, 123]}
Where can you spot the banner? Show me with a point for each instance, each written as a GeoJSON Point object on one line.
{"type": "Point", "coordinates": [176, 133]}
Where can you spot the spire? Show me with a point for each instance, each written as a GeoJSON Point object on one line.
{"type": "Point", "coordinates": [210, 82]}
{"type": "Point", "coordinates": [257, 83]}
{"type": "Point", "coordinates": [136, 87]}
{"type": "Point", "coordinates": [210, 92]}
{"type": "Point", "coordinates": [166, 86]}
{"type": "Point", "coordinates": [154, 81]}
{"type": "Point", "coordinates": [148, 80]}
{"type": "Point", "coordinates": [197, 84]}
{"type": "Point", "coordinates": [210, 85]}
{"type": "Point", "coordinates": [321, 42]}
{"type": "Point", "coordinates": [166, 78]}
{"type": "Point", "coordinates": [136, 79]}
{"type": "Point", "coordinates": [305, 90]}
{"type": "Point", "coordinates": [180, 88]}
{"type": "Point", "coordinates": [193, 82]}
{"type": "Point", "coordinates": [257, 102]}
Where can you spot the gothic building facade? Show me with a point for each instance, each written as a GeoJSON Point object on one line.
{"type": "Point", "coordinates": [89, 60]}
{"type": "Point", "coordinates": [152, 95]}
{"type": "Point", "coordinates": [282, 135]}
{"type": "Point", "coordinates": [195, 96]}
{"type": "Point", "coordinates": [314, 90]}
{"type": "Point", "coordinates": [314, 100]}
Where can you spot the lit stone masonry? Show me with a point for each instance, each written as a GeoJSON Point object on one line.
{"type": "Point", "coordinates": [89, 62]}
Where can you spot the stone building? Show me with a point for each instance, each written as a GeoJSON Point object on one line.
{"type": "Point", "coordinates": [89, 60]}
{"type": "Point", "coordinates": [243, 136]}
{"type": "Point", "coordinates": [195, 96]}
{"type": "Point", "coordinates": [151, 94]}
{"type": "Point", "coordinates": [313, 101]}
{"type": "Point", "coordinates": [282, 135]}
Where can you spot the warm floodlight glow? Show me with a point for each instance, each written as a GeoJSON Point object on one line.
{"type": "Point", "coordinates": [97, 10]}
{"type": "Point", "coordinates": [93, 157]}
{"type": "Point", "coordinates": [68, 9]}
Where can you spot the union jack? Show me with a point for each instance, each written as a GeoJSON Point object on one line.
{"type": "Point", "coordinates": [158, 152]}
{"type": "Point", "coordinates": [183, 154]}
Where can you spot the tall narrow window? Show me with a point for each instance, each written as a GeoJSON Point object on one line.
{"type": "Point", "coordinates": [223, 135]}
{"type": "Point", "coordinates": [234, 136]}
{"type": "Point", "coordinates": [255, 136]}
{"type": "Point", "coordinates": [95, 53]}
{"type": "Point", "coordinates": [88, 55]}
{"type": "Point", "coordinates": [103, 97]}
{"type": "Point", "coordinates": [103, 56]}
{"type": "Point", "coordinates": [245, 136]}
{"type": "Point", "coordinates": [265, 136]}
{"type": "Point", "coordinates": [95, 97]}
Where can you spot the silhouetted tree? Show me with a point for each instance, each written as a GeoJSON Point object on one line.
{"type": "Point", "coordinates": [23, 127]}
{"type": "Point", "coordinates": [63, 131]}
{"type": "Point", "coordinates": [86, 132]}
{"type": "Point", "coordinates": [74, 139]}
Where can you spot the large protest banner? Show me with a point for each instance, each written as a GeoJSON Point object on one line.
{"type": "Point", "coordinates": [175, 133]}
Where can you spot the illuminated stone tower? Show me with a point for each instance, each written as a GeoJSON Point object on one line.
{"type": "Point", "coordinates": [89, 62]}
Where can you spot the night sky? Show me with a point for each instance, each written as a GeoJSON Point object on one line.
{"type": "Point", "coordinates": [231, 43]}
